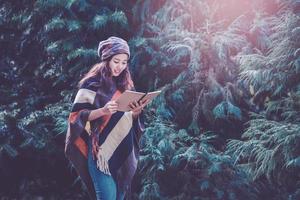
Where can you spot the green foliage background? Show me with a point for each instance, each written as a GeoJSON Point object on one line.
{"type": "Point", "coordinates": [226, 126]}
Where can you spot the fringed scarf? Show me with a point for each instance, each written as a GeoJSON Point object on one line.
{"type": "Point", "coordinates": [115, 136]}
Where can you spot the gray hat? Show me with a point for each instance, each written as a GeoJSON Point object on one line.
{"type": "Point", "coordinates": [112, 46]}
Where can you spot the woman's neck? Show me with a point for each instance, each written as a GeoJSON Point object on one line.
{"type": "Point", "coordinates": [114, 79]}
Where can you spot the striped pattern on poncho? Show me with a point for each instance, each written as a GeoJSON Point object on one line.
{"type": "Point", "coordinates": [118, 136]}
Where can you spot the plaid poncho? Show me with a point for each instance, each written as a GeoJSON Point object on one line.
{"type": "Point", "coordinates": [118, 136]}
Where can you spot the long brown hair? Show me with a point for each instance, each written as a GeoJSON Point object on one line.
{"type": "Point", "coordinates": [102, 72]}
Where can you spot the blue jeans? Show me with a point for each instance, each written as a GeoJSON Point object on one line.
{"type": "Point", "coordinates": [105, 186]}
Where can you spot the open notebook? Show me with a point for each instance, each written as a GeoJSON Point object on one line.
{"type": "Point", "coordinates": [129, 96]}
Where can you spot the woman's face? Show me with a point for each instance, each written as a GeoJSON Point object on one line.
{"type": "Point", "coordinates": [118, 63]}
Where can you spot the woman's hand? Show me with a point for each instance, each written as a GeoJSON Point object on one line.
{"type": "Point", "coordinates": [138, 107]}
{"type": "Point", "coordinates": [110, 108]}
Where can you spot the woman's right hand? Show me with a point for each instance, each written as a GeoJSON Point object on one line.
{"type": "Point", "coordinates": [110, 108]}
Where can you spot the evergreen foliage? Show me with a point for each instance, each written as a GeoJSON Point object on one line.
{"type": "Point", "coordinates": [226, 125]}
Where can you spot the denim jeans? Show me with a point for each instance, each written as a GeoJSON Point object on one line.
{"type": "Point", "coordinates": [105, 186]}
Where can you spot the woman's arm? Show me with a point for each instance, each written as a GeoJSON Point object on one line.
{"type": "Point", "coordinates": [109, 108]}
{"type": "Point", "coordinates": [94, 114]}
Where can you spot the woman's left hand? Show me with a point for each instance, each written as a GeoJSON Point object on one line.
{"type": "Point", "coordinates": [138, 107]}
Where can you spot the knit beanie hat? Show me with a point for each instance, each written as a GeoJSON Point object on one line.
{"type": "Point", "coordinates": [112, 46]}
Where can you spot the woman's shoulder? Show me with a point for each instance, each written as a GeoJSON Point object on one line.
{"type": "Point", "coordinates": [92, 83]}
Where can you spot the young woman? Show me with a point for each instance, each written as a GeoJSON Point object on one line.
{"type": "Point", "coordinates": [103, 143]}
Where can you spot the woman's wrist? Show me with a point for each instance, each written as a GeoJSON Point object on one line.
{"type": "Point", "coordinates": [133, 115]}
{"type": "Point", "coordinates": [100, 111]}
{"type": "Point", "coordinates": [95, 114]}
{"type": "Point", "coordinates": [136, 114]}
